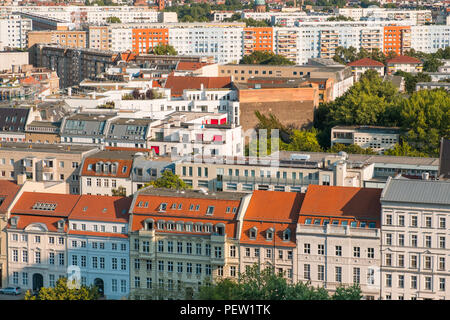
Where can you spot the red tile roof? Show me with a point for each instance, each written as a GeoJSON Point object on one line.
{"type": "Point", "coordinates": [365, 62]}
{"type": "Point", "coordinates": [102, 208]}
{"type": "Point", "coordinates": [190, 66]}
{"type": "Point", "coordinates": [342, 202]}
{"type": "Point", "coordinates": [404, 60]}
{"type": "Point", "coordinates": [272, 209]}
{"type": "Point", "coordinates": [64, 203]}
{"type": "Point", "coordinates": [220, 214]}
{"type": "Point", "coordinates": [8, 191]}
{"type": "Point", "coordinates": [119, 173]}
{"type": "Point", "coordinates": [177, 83]}
{"type": "Point", "coordinates": [26, 220]}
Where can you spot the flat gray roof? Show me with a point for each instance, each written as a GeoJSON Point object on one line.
{"type": "Point", "coordinates": [192, 194]}
{"type": "Point", "coordinates": [41, 147]}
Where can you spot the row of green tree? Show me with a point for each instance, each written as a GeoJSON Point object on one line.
{"type": "Point", "coordinates": [424, 117]}
{"type": "Point", "coordinates": [265, 57]}
{"type": "Point", "coordinates": [266, 284]}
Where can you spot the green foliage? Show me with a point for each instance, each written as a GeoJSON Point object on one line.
{"type": "Point", "coordinates": [265, 57]}
{"type": "Point", "coordinates": [265, 284]}
{"type": "Point", "coordinates": [303, 140]}
{"type": "Point", "coordinates": [351, 149]}
{"type": "Point", "coordinates": [113, 20]}
{"type": "Point", "coordinates": [340, 18]}
{"type": "Point", "coordinates": [347, 293]}
{"type": "Point", "coordinates": [346, 55]}
{"type": "Point", "coordinates": [331, 3]}
{"type": "Point", "coordinates": [405, 150]}
{"type": "Point", "coordinates": [119, 192]}
{"type": "Point", "coordinates": [163, 50]}
{"type": "Point", "coordinates": [62, 292]}
{"type": "Point", "coordinates": [430, 61]}
{"type": "Point", "coordinates": [202, 12]}
{"type": "Point", "coordinates": [169, 180]}
{"type": "Point", "coordinates": [412, 79]}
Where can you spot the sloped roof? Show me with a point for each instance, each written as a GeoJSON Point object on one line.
{"type": "Point", "coordinates": [272, 209]}
{"type": "Point", "coordinates": [123, 158]}
{"type": "Point", "coordinates": [8, 190]}
{"type": "Point", "coordinates": [417, 191]}
{"type": "Point", "coordinates": [365, 62]}
{"type": "Point", "coordinates": [179, 83]}
{"type": "Point", "coordinates": [102, 208]}
{"type": "Point", "coordinates": [50, 222]}
{"type": "Point", "coordinates": [64, 203]}
{"type": "Point", "coordinates": [190, 66]}
{"type": "Point", "coordinates": [404, 60]}
{"type": "Point", "coordinates": [344, 202]}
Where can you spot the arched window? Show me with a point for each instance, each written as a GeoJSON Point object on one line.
{"type": "Point", "coordinates": [287, 235]}
{"type": "Point", "coordinates": [253, 232]}
{"type": "Point", "coordinates": [269, 234]}
{"type": "Point", "coordinates": [148, 224]}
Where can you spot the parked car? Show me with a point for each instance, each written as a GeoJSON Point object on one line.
{"type": "Point", "coordinates": [11, 290]}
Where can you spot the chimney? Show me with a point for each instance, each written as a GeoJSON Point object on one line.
{"type": "Point", "coordinates": [21, 179]}
{"type": "Point", "coordinates": [425, 176]}
{"type": "Point", "coordinates": [69, 91]}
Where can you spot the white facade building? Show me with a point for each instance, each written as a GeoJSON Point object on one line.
{"type": "Point", "coordinates": [13, 31]}
{"type": "Point", "coordinates": [98, 246]}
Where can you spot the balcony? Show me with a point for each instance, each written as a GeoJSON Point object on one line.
{"type": "Point", "coordinates": [270, 180]}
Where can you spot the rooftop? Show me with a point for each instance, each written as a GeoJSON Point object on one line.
{"type": "Point", "coordinates": [192, 194]}
{"type": "Point", "coordinates": [417, 191]}
{"type": "Point", "coordinates": [403, 60]}
{"type": "Point", "coordinates": [365, 62]}
{"type": "Point", "coordinates": [48, 148]}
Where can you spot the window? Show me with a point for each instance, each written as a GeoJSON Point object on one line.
{"type": "Point", "coordinates": [123, 264]}
{"type": "Point", "coordinates": [442, 242]}
{"type": "Point", "coordinates": [401, 281]}
{"type": "Point", "coordinates": [428, 241]}
{"type": "Point", "coordinates": [441, 263]}
{"type": "Point", "coordinates": [413, 221]}
{"type": "Point", "coordinates": [388, 259]}
{"type": "Point", "coordinates": [388, 280]}
{"type": "Point", "coordinates": [442, 223]}
{"type": "Point", "coordinates": [123, 285]}
{"type": "Point", "coordinates": [321, 249]}
{"type": "Point", "coordinates": [442, 284]}
{"type": "Point", "coordinates": [401, 220]}
{"type": "Point", "coordinates": [189, 248]}
{"type": "Point", "coordinates": [137, 264]}
{"type": "Point", "coordinates": [356, 275]}
{"type": "Point", "coordinates": [37, 257]}
{"type": "Point", "coordinates": [338, 274]}
{"type": "Point", "coordinates": [307, 248]}
{"type": "Point", "coordinates": [427, 264]}
{"type": "Point", "coordinates": [389, 219]}
{"type": "Point", "coordinates": [339, 251]}
{"type": "Point", "coordinates": [401, 240]}
{"type": "Point", "coordinates": [413, 261]}
{"type": "Point", "coordinates": [321, 272]}
{"type": "Point", "coordinates": [401, 260]}
{"type": "Point", "coordinates": [413, 282]}
{"type": "Point", "coordinates": [114, 263]}
{"type": "Point", "coordinates": [427, 222]}
{"type": "Point", "coordinates": [307, 271]}
{"type": "Point", "coordinates": [388, 239]}
{"type": "Point", "coordinates": [25, 256]}
{"type": "Point", "coordinates": [428, 283]}
{"type": "Point", "coordinates": [370, 253]}
{"type": "Point", "coordinates": [233, 251]}
{"type": "Point", "coordinates": [269, 253]}
{"type": "Point", "coordinates": [413, 240]}
{"type": "Point", "coordinates": [370, 276]}
{"type": "Point", "coordinates": [356, 252]}
{"type": "Point", "coordinates": [51, 258]}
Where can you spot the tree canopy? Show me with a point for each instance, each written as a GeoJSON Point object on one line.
{"type": "Point", "coordinates": [266, 284]}
{"type": "Point", "coordinates": [113, 20]}
{"type": "Point", "coordinates": [163, 50]}
{"type": "Point", "coordinates": [346, 55]}
{"type": "Point", "coordinates": [169, 180]}
{"type": "Point", "coordinates": [63, 292]}
{"type": "Point", "coordinates": [265, 57]}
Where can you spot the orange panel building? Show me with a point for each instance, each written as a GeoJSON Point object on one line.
{"type": "Point", "coordinates": [146, 38]}
{"type": "Point", "coordinates": [397, 39]}
{"type": "Point", "coordinates": [258, 39]}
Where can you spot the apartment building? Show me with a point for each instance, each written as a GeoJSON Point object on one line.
{"type": "Point", "coordinates": [430, 38]}
{"type": "Point", "coordinates": [37, 239]}
{"type": "Point", "coordinates": [404, 63]}
{"type": "Point", "coordinates": [70, 38]}
{"type": "Point", "coordinates": [72, 65]}
{"type": "Point", "coordinates": [98, 246]}
{"type": "Point", "coordinates": [128, 132]}
{"type": "Point", "coordinates": [338, 241]}
{"type": "Point", "coordinates": [13, 32]}
{"type": "Point", "coordinates": [8, 193]}
{"type": "Point", "coordinates": [377, 138]}
{"type": "Point", "coordinates": [283, 171]}
{"type": "Point", "coordinates": [267, 235]}
{"type": "Point", "coordinates": [42, 132]}
{"type": "Point", "coordinates": [98, 37]}
{"type": "Point", "coordinates": [85, 128]}
{"type": "Point", "coordinates": [185, 133]}
{"type": "Point", "coordinates": [414, 249]}
{"type": "Point", "coordinates": [21, 162]}
{"type": "Point", "coordinates": [419, 16]}
{"type": "Point", "coordinates": [107, 172]}
{"type": "Point", "coordinates": [362, 65]}
{"type": "Point", "coordinates": [13, 122]}
{"type": "Point", "coordinates": [179, 240]}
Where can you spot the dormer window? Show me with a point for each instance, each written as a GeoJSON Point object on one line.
{"type": "Point", "coordinates": [191, 207]}
{"type": "Point", "coordinates": [180, 206]}
{"type": "Point", "coordinates": [228, 210]}
{"type": "Point", "coordinates": [89, 167]}
{"type": "Point", "coordinates": [174, 206]}
{"type": "Point", "coordinates": [210, 210]}
{"type": "Point", "coordinates": [220, 229]}
{"type": "Point", "coordinates": [160, 224]}
{"type": "Point", "coordinates": [44, 206]}
{"type": "Point", "coordinates": [197, 207]}
{"type": "Point", "coordinates": [162, 207]}
{"type": "Point", "coordinates": [234, 210]}
{"type": "Point", "coordinates": [85, 209]}
{"type": "Point", "coordinates": [146, 204]}
{"type": "Point", "coordinates": [253, 232]}
{"type": "Point", "coordinates": [14, 221]}
{"type": "Point", "coordinates": [60, 224]}
{"type": "Point", "coordinates": [104, 210]}
{"type": "Point", "coordinates": [124, 169]}
{"type": "Point", "coordinates": [287, 235]}
{"type": "Point", "coordinates": [269, 234]}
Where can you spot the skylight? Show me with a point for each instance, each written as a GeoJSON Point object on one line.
{"type": "Point", "coordinates": [44, 206]}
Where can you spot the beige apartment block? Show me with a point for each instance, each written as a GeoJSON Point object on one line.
{"type": "Point", "coordinates": [180, 240]}
{"type": "Point", "coordinates": [75, 39]}
{"type": "Point", "coordinates": [415, 240]}
{"type": "Point", "coordinates": [98, 37]}
{"type": "Point", "coordinates": [43, 162]}
{"type": "Point", "coordinates": [338, 241]}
